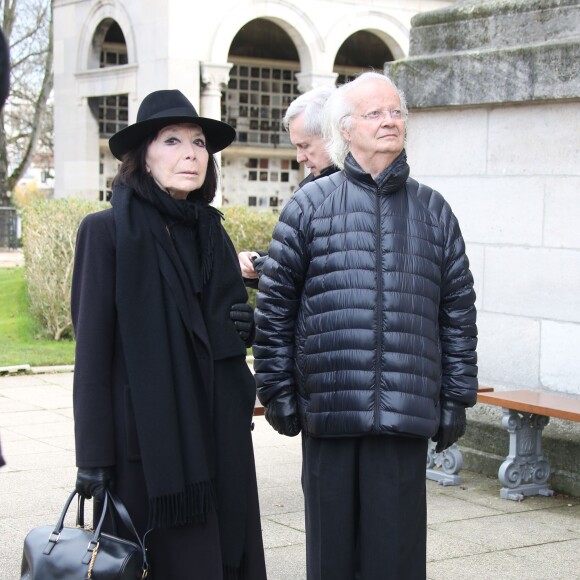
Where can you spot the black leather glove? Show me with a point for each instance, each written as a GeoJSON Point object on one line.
{"type": "Point", "coordinates": [281, 413]}
{"type": "Point", "coordinates": [259, 263]}
{"type": "Point", "coordinates": [451, 426]}
{"type": "Point", "coordinates": [242, 316]}
{"type": "Point", "coordinates": [92, 481]}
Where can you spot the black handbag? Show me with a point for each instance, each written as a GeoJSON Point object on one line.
{"type": "Point", "coordinates": [65, 553]}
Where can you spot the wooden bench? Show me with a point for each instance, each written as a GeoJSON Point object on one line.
{"type": "Point", "coordinates": [258, 408]}
{"type": "Point", "coordinates": [525, 471]}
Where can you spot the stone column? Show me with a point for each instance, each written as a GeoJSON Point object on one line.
{"type": "Point", "coordinates": [214, 78]}
{"type": "Point", "coordinates": [491, 52]}
{"type": "Point", "coordinates": [311, 80]}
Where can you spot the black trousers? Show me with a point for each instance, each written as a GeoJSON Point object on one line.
{"type": "Point", "coordinates": [365, 506]}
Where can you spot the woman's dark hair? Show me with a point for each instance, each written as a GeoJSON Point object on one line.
{"type": "Point", "coordinates": [133, 173]}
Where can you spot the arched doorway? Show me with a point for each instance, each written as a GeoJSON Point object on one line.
{"type": "Point", "coordinates": [260, 169]}
{"type": "Point", "coordinates": [109, 49]}
{"type": "Point", "coordinates": [360, 52]}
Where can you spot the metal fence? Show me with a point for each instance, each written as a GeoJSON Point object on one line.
{"type": "Point", "coordinates": [8, 227]}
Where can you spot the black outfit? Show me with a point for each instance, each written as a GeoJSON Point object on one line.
{"type": "Point", "coordinates": [4, 86]}
{"type": "Point", "coordinates": [161, 391]}
{"type": "Point", "coordinates": [253, 282]}
{"type": "Point", "coordinates": [365, 507]}
{"type": "Point", "coordinates": [365, 323]}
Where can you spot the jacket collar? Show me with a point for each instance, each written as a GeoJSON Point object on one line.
{"type": "Point", "coordinates": [326, 171]}
{"type": "Point", "coordinates": [390, 180]}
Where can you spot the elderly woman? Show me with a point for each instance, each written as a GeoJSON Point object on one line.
{"type": "Point", "coordinates": [163, 397]}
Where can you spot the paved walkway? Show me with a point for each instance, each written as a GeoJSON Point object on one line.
{"type": "Point", "coordinates": [10, 258]}
{"type": "Point", "coordinates": [472, 533]}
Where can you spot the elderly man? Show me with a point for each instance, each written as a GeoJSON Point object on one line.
{"type": "Point", "coordinates": [366, 337]}
{"type": "Point", "coordinates": [303, 120]}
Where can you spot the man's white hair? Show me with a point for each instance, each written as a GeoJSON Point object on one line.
{"type": "Point", "coordinates": [338, 111]}
{"type": "Point", "coordinates": [311, 103]}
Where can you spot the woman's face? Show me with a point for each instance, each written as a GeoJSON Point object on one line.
{"type": "Point", "coordinates": [177, 159]}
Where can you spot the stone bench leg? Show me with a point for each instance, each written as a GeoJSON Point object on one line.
{"type": "Point", "coordinates": [525, 471]}
{"type": "Point", "coordinates": [444, 467]}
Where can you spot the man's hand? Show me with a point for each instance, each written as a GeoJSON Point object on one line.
{"type": "Point", "coordinates": [451, 426]}
{"type": "Point", "coordinates": [281, 413]}
{"type": "Point", "coordinates": [247, 265]}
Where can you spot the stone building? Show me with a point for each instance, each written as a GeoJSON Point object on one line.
{"type": "Point", "coordinates": [239, 60]}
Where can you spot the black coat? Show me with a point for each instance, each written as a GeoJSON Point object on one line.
{"type": "Point", "coordinates": [105, 432]}
{"type": "Point", "coordinates": [364, 353]}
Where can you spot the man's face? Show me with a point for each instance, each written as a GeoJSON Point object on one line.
{"type": "Point", "coordinates": [310, 150]}
{"type": "Point", "coordinates": [377, 128]}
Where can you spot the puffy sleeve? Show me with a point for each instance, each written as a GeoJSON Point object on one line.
{"type": "Point", "coordinates": [278, 302]}
{"type": "Point", "coordinates": [457, 321]}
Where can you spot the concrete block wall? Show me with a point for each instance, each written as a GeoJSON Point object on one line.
{"type": "Point", "coordinates": [512, 177]}
{"type": "Point", "coordinates": [493, 88]}
{"type": "Point", "coordinates": [507, 158]}
{"type": "Point", "coordinates": [521, 223]}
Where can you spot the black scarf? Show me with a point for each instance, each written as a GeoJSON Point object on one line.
{"type": "Point", "coordinates": [176, 280]}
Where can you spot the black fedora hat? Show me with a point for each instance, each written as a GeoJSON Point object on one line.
{"type": "Point", "coordinates": [162, 108]}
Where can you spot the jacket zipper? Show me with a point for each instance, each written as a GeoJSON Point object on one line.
{"type": "Point", "coordinates": [379, 343]}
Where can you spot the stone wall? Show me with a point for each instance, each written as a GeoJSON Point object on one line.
{"type": "Point", "coordinates": [494, 95]}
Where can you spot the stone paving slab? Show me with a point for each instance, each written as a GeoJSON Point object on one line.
{"type": "Point", "coordinates": [11, 258]}
{"type": "Point", "coordinates": [472, 533]}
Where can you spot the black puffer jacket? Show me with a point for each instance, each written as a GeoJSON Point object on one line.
{"type": "Point", "coordinates": [361, 353]}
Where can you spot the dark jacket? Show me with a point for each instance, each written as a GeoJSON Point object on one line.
{"type": "Point", "coordinates": [252, 282]}
{"type": "Point", "coordinates": [324, 173]}
{"type": "Point", "coordinates": [364, 353]}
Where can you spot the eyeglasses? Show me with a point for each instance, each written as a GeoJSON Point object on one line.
{"type": "Point", "coordinates": [394, 114]}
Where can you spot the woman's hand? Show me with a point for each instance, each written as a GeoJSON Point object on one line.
{"type": "Point", "coordinates": [242, 316]}
{"type": "Point", "coordinates": [92, 481]}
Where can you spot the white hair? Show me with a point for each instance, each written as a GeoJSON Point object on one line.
{"type": "Point", "coordinates": [311, 103]}
{"type": "Point", "coordinates": [338, 111]}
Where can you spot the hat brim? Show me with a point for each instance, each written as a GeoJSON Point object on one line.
{"type": "Point", "coordinates": [219, 135]}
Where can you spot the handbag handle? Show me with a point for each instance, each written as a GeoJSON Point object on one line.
{"type": "Point", "coordinates": [93, 544]}
{"type": "Point", "coordinates": [80, 523]}
{"type": "Point", "coordinates": [54, 535]}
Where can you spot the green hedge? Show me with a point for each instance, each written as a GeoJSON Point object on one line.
{"type": "Point", "coordinates": [49, 234]}
{"type": "Point", "coordinates": [49, 231]}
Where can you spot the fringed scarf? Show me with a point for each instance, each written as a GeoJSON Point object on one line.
{"type": "Point", "coordinates": [171, 324]}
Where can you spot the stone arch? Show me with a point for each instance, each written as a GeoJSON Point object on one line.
{"type": "Point", "coordinates": [295, 22]}
{"type": "Point", "coordinates": [390, 30]}
{"type": "Point", "coordinates": [94, 24]}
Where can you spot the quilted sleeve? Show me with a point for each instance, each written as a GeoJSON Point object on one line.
{"type": "Point", "coordinates": [457, 320]}
{"type": "Point", "coordinates": [278, 302]}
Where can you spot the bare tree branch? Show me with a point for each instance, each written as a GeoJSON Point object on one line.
{"type": "Point", "coordinates": [28, 26]}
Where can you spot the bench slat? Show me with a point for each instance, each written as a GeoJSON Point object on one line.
{"type": "Point", "coordinates": [258, 409]}
{"type": "Point", "coordinates": [537, 402]}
